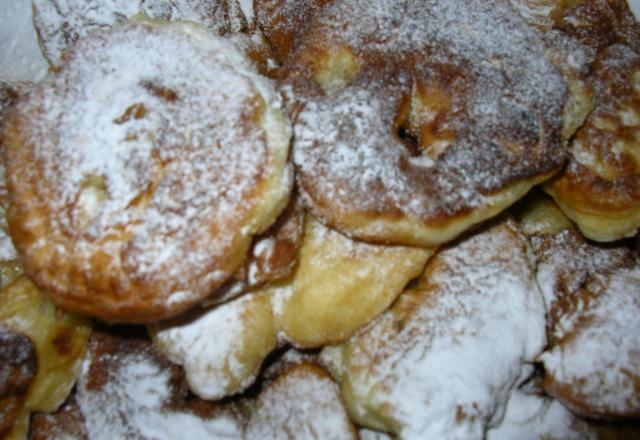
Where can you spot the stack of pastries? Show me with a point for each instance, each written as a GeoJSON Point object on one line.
{"type": "Point", "coordinates": [323, 219]}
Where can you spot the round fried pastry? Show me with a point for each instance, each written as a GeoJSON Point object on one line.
{"type": "Point", "coordinates": [413, 128]}
{"type": "Point", "coordinates": [61, 23]}
{"type": "Point", "coordinates": [136, 189]}
{"type": "Point", "coordinates": [59, 339]}
{"type": "Point", "coordinates": [600, 188]}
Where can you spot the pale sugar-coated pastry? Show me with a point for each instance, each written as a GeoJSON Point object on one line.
{"type": "Point", "coordinates": [535, 417]}
{"type": "Point", "coordinates": [592, 294]}
{"type": "Point", "coordinates": [339, 285]}
{"type": "Point", "coordinates": [303, 402]}
{"type": "Point", "coordinates": [18, 367]}
{"type": "Point", "coordinates": [136, 188]}
{"type": "Point", "coordinates": [61, 23]}
{"type": "Point", "coordinates": [222, 348]}
{"type": "Point", "coordinates": [413, 128]}
{"type": "Point", "coordinates": [129, 390]}
{"type": "Point", "coordinates": [442, 361]}
{"type": "Point", "coordinates": [59, 340]}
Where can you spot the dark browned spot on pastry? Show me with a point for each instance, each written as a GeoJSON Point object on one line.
{"type": "Point", "coordinates": [63, 343]}
{"type": "Point", "coordinates": [136, 111]}
{"type": "Point", "coordinates": [160, 91]}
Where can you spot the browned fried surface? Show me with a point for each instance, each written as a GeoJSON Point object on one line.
{"type": "Point", "coordinates": [600, 188]}
{"type": "Point", "coordinates": [592, 294]}
{"type": "Point", "coordinates": [283, 21]}
{"type": "Point", "coordinates": [18, 367]}
{"type": "Point", "coordinates": [414, 128]}
{"type": "Point", "coordinates": [61, 24]}
{"type": "Point", "coordinates": [273, 254]}
{"type": "Point", "coordinates": [129, 390]}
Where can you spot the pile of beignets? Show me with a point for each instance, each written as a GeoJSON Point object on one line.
{"type": "Point", "coordinates": [323, 219]}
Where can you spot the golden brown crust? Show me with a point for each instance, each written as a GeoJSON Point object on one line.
{"type": "Point", "coordinates": [142, 219]}
{"type": "Point", "coordinates": [600, 188]}
{"type": "Point", "coordinates": [407, 135]}
{"type": "Point", "coordinates": [282, 21]}
{"type": "Point", "coordinates": [591, 296]}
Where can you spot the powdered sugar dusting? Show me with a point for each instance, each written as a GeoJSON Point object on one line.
{"type": "Point", "coordinates": [431, 367]}
{"type": "Point", "coordinates": [209, 346]}
{"type": "Point", "coordinates": [593, 297]}
{"type": "Point", "coordinates": [505, 110]}
{"type": "Point", "coordinates": [60, 23]}
{"type": "Point", "coordinates": [132, 403]}
{"type": "Point", "coordinates": [148, 152]}
{"type": "Point", "coordinates": [531, 417]}
{"type": "Point", "coordinates": [303, 403]}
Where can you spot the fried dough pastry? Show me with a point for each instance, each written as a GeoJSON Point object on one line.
{"type": "Point", "coordinates": [441, 362]}
{"type": "Point", "coordinates": [592, 294]}
{"type": "Point", "coordinates": [18, 368]}
{"type": "Point", "coordinates": [129, 390]}
{"type": "Point", "coordinates": [59, 339]}
{"type": "Point", "coordinates": [303, 402]}
{"type": "Point", "coordinates": [600, 188]}
{"type": "Point", "coordinates": [534, 417]}
{"type": "Point", "coordinates": [221, 349]}
{"type": "Point", "coordinates": [339, 285]}
{"type": "Point", "coordinates": [61, 23]}
{"type": "Point", "coordinates": [272, 257]}
{"type": "Point", "coordinates": [413, 127]}
{"type": "Point", "coordinates": [281, 22]}
{"type": "Point", "coordinates": [136, 189]}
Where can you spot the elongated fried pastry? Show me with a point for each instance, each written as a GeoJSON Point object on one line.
{"type": "Point", "coordinates": [339, 285]}
{"type": "Point", "coordinates": [151, 178]}
{"type": "Point", "coordinates": [442, 361]}
{"type": "Point", "coordinates": [221, 349]}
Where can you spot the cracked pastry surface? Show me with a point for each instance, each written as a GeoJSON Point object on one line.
{"type": "Point", "coordinates": [142, 201]}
